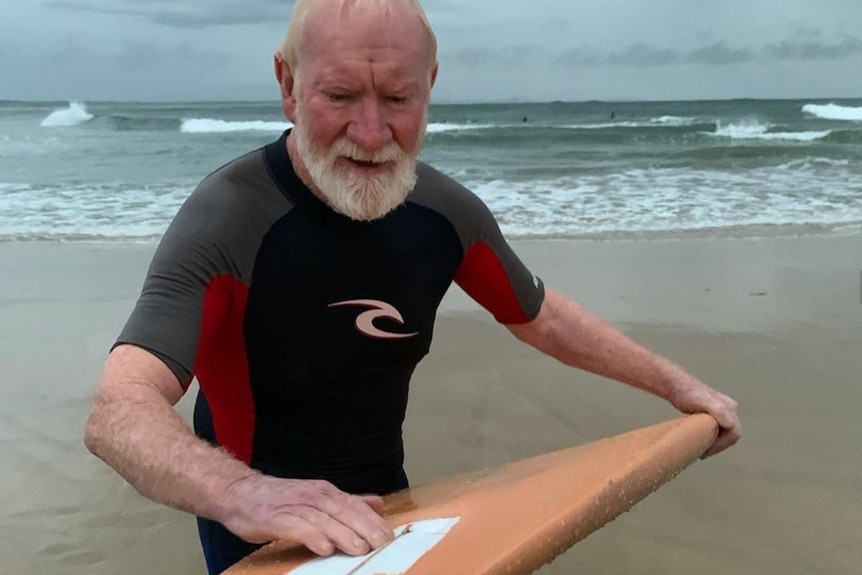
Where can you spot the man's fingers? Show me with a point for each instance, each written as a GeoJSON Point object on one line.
{"type": "Point", "coordinates": [722, 408]}
{"type": "Point", "coordinates": [725, 440]}
{"type": "Point", "coordinates": [726, 412]}
{"type": "Point", "coordinates": [291, 526]}
{"type": "Point", "coordinates": [322, 534]}
{"type": "Point", "coordinates": [337, 533]}
{"type": "Point", "coordinates": [727, 436]}
{"type": "Point", "coordinates": [311, 512]}
{"type": "Point", "coordinates": [730, 428]}
{"type": "Point", "coordinates": [375, 502]}
{"type": "Point", "coordinates": [359, 517]}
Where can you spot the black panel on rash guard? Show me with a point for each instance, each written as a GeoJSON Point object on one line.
{"type": "Point", "coordinates": [304, 327]}
{"type": "Point", "coordinates": [340, 415]}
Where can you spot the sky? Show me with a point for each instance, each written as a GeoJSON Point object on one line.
{"type": "Point", "coordinates": [490, 50]}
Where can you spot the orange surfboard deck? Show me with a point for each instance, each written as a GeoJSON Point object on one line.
{"type": "Point", "coordinates": [511, 519]}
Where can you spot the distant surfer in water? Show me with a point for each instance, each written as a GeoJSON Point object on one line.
{"type": "Point", "coordinates": [299, 285]}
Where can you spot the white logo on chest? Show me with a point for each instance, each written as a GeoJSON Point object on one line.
{"type": "Point", "coordinates": [377, 309]}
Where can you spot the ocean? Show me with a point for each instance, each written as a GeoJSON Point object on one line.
{"type": "Point", "coordinates": [72, 171]}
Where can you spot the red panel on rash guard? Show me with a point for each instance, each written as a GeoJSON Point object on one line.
{"type": "Point", "coordinates": [483, 277]}
{"type": "Point", "coordinates": [222, 366]}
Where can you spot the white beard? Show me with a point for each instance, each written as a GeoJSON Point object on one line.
{"type": "Point", "coordinates": [348, 191]}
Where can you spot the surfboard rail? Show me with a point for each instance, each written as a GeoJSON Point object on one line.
{"type": "Point", "coordinates": [512, 519]}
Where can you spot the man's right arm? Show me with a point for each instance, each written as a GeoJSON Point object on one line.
{"type": "Point", "coordinates": [134, 429]}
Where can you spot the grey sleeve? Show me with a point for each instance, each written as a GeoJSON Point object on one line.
{"type": "Point", "coordinates": [215, 235]}
{"type": "Point", "coordinates": [491, 273]}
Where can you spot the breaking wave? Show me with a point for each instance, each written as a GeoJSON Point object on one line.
{"type": "Point", "coordinates": [757, 131]}
{"type": "Point", "coordinates": [834, 112]}
{"type": "Point", "coordinates": [74, 115]}
{"type": "Point", "coordinates": [210, 126]}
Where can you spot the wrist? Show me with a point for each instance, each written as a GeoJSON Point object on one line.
{"type": "Point", "coordinates": [676, 384]}
{"type": "Point", "coordinates": [230, 499]}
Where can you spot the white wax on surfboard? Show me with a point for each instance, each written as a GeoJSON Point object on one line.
{"type": "Point", "coordinates": [411, 542]}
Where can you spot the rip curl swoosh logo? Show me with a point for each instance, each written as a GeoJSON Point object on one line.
{"type": "Point", "coordinates": [377, 309]}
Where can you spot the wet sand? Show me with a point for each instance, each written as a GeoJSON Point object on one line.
{"type": "Point", "coordinates": [777, 323]}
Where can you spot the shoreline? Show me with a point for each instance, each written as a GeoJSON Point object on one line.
{"type": "Point", "coordinates": [740, 232]}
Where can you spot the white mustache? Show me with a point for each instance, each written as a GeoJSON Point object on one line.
{"type": "Point", "coordinates": [348, 149]}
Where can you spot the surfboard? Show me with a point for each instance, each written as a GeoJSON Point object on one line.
{"type": "Point", "coordinates": [514, 518]}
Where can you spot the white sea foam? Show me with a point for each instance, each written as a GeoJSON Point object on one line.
{"type": "Point", "coordinates": [603, 126]}
{"type": "Point", "coordinates": [810, 163]}
{"type": "Point", "coordinates": [671, 200]}
{"type": "Point", "coordinates": [107, 211]}
{"type": "Point", "coordinates": [73, 115]}
{"type": "Point", "coordinates": [834, 112]}
{"type": "Point", "coordinates": [758, 131]}
{"type": "Point", "coordinates": [30, 145]}
{"type": "Point", "coordinates": [811, 191]}
{"type": "Point", "coordinates": [209, 126]}
{"type": "Point", "coordinates": [672, 121]}
{"type": "Point", "coordinates": [437, 127]}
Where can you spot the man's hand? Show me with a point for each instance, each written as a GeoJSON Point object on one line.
{"type": "Point", "coordinates": [314, 513]}
{"type": "Point", "coordinates": [134, 428]}
{"type": "Point", "coordinates": [697, 397]}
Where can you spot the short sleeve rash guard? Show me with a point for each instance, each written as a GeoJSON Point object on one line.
{"type": "Point", "coordinates": [302, 326]}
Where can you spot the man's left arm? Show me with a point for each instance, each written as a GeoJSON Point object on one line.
{"type": "Point", "coordinates": [574, 336]}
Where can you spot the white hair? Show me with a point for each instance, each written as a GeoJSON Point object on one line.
{"type": "Point", "coordinates": [289, 49]}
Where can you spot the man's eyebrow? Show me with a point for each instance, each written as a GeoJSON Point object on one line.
{"type": "Point", "coordinates": [404, 86]}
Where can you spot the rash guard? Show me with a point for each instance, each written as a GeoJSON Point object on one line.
{"type": "Point", "coordinates": [302, 326]}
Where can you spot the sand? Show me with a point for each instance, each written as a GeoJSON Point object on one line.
{"type": "Point", "coordinates": [774, 322]}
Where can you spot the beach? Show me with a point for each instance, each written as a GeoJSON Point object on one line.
{"type": "Point", "coordinates": [772, 321]}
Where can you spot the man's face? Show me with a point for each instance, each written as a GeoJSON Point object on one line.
{"type": "Point", "coordinates": [360, 109]}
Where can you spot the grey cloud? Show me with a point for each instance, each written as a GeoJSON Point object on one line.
{"type": "Point", "coordinates": [715, 54]}
{"type": "Point", "coordinates": [186, 15]}
{"type": "Point", "coordinates": [719, 53]}
{"type": "Point", "coordinates": [80, 6]}
{"type": "Point", "coordinates": [642, 54]}
{"type": "Point", "coordinates": [508, 56]}
{"type": "Point", "coordinates": [69, 53]}
{"type": "Point", "coordinates": [236, 16]}
{"type": "Point", "coordinates": [136, 55]}
{"type": "Point", "coordinates": [581, 56]}
{"type": "Point", "coordinates": [814, 50]}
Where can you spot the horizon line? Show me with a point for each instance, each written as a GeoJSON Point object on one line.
{"type": "Point", "coordinates": [443, 102]}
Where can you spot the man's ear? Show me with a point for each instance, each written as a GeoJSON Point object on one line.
{"type": "Point", "coordinates": [286, 85]}
{"type": "Point", "coordinates": [434, 71]}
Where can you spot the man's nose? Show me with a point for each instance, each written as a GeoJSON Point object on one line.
{"type": "Point", "coordinates": [369, 128]}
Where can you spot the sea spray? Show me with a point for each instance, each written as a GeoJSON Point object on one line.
{"type": "Point", "coordinates": [73, 115]}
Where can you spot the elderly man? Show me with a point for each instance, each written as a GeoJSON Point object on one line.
{"type": "Point", "coordinates": [299, 285]}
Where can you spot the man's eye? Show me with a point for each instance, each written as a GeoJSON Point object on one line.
{"type": "Point", "coordinates": [396, 99]}
{"type": "Point", "coordinates": [338, 96]}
